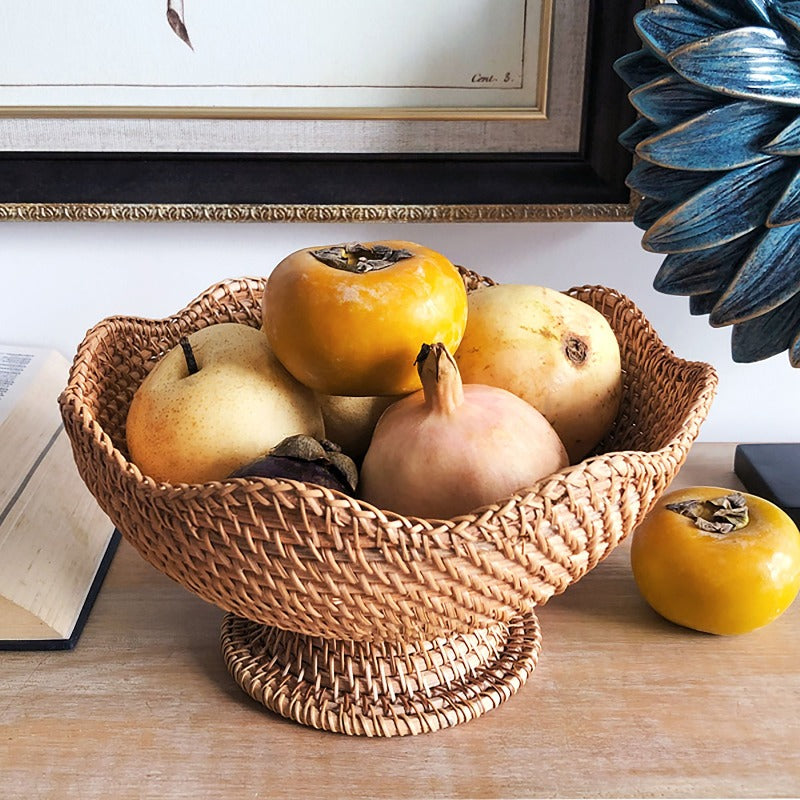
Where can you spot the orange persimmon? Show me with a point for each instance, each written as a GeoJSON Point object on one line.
{"type": "Point", "coordinates": [717, 561]}
{"type": "Point", "coordinates": [349, 319]}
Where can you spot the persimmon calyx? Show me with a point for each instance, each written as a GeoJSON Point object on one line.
{"type": "Point", "coordinates": [718, 515]}
{"type": "Point", "coordinates": [358, 257]}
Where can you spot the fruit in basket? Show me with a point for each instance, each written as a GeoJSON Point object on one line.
{"type": "Point", "coordinates": [217, 401]}
{"type": "Point", "coordinates": [717, 561]}
{"type": "Point", "coordinates": [350, 421]}
{"type": "Point", "coordinates": [550, 349]}
{"type": "Point", "coordinates": [451, 448]}
{"type": "Point", "coordinates": [307, 459]}
{"type": "Point", "coordinates": [347, 319]}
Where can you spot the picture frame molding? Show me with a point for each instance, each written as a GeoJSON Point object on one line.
{"type": "Point", "coordinates": [472, 187]}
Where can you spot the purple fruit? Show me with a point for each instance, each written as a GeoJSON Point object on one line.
{"type": "Point", "coordinates": [304, 458]}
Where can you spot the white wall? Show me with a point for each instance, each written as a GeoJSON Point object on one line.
{"type": "Point", "coordinates": [61, 278]}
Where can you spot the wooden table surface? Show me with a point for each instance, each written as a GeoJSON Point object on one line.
{"type": "Point", "coordinates": [622, 704]}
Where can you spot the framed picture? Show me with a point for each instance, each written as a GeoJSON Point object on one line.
{"type": "Point", "coordinates": [366, 110]}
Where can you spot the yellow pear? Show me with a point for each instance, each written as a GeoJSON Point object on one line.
{"type": "Point", "coordinates": [186, 426]}
{"type": "Point", "coordinates": [350, 421]}
{"type": "Point", "coordinates": [550, 349]}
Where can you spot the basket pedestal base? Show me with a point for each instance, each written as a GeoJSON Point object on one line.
{"type": "Point", "coordinates": [379, 689]}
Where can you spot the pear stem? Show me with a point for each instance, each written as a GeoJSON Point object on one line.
{"type": "Point", "coordinates": [188, 353]}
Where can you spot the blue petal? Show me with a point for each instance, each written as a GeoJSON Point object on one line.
{"type": "Point", "coordinates": [700, 304]}
{"type": "Point", "coordinates": [666, 28]}
{"type": "Point", "coordinates": [788, 11]}
{"type": "Point", "coordinates": [669, 99]}
{"type": "Point", "coordinates": [766, 335]}
{"type": "Point", "coordinates": [725, 12]}
{"type": "Point", "coordinates": [759, 9]}
{"type": "Point", "coordinates": [726, 137]}
{"type": "Point", "coordinates": [769, 276]}
{"type": "Point", "coordinates": [661, 183]}
{"type": "Point", "coordinates": [794, 350]}
{"type": "Point", "coordinates": [727, 208]}
{"type": "Point", "coordinates": [787, 142]}
{"type": "Point", "coordinates": [702, 271]}
{"type": "Point", "coordinates": [640, 67]}
{"type": "Point", "coordinates": [787, 15]}
{"type": "Point", "coordinates": [751, 63]}
{"type": "Point", "coordinates": [787, 210]}
{"type": "Point", "coordinates": [648, 211]}
{"type": "Point", "coordinates": [640, 130]}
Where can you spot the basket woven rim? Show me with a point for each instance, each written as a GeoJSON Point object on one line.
{"type": "Point", "coordinates": [72, 396]}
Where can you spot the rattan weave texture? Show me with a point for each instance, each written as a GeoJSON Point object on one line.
{"type": "Point", "coordinates": [367, 689]}
{"type": "Point", "coordinates": [314, 562]}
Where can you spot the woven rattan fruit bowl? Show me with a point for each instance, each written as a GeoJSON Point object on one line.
{"type": "Point", "coordinates": [350, 619]}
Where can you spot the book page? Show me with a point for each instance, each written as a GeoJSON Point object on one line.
{"type": "Point", "coordinates": [18, 365]}
{"type": "Point", "coordinates": [53, 534]}
{"type": "Point", "coordinates": [29, 415]}
{"type": "Point", "coordinates": [52, 540]}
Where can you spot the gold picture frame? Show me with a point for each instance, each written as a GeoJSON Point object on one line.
{"type": "Point", "coordinates": [504, 184]}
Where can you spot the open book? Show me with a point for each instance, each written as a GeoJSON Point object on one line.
{"type": "Point", "coordinates": [55, 542]}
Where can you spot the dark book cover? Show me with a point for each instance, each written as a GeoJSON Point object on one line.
{"type": "Point", "coordinates": [771, 471]}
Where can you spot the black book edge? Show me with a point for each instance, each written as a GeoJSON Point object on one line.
{"type": "Point", "coordinates": [748, 467]}
{"type": "Point", "coordinates": [94, 590]}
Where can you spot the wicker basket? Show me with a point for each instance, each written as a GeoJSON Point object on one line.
{"type": "Point", "coordinates": [351, 619]}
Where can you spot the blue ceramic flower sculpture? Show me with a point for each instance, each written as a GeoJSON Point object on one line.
{"type": "Point", "coordinates": [717, 87]}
